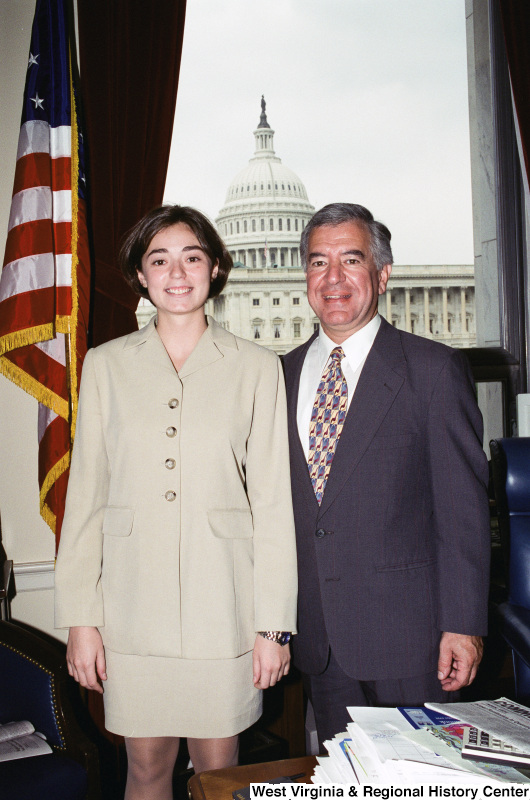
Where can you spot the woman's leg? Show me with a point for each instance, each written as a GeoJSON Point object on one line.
{"type": "Point", "coordinates": [150, 765]}
{"type": "Point", "coordinates": [213, 753]}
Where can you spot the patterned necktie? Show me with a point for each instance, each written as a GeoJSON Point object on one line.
{"type": "Point", "coordinates": [327, 419]}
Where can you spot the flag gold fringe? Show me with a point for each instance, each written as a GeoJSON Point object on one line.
{"type": "Point", "coordinates": [49, 517]}
{"type": "Point", "coordinates": [26, 336]}
{"type": "Point", "coordinates": [53, 475]}
{"type": "Point", "coordinates": [33, 387]}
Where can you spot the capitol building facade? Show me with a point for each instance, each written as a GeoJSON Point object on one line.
{"type": "Point", "coordinates": [265, 211]}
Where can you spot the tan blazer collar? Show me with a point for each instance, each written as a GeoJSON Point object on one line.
{"type": "Point", "coordinates": [209, 348]}
{"type": "Point", "coordinates": [139, 337]}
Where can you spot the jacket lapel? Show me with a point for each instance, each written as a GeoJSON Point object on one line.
{"type": "Point", "coordinates": [147, 345]}
{"type": "Point", "coordinates": [207, 350]}
{"type": "Point", "coordinates": [381, 379]}
{"type": "Point", "coordinates": [300, 471]}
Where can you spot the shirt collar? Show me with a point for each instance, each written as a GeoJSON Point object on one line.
{"type": "Point", "coordinates": [356, 347]}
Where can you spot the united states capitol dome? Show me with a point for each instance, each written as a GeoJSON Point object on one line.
{"type": "Point", "coordinates": [266, 207]}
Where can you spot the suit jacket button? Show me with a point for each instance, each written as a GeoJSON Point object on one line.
{"type": "Point", "coordinates": [171, 431]}
{"type": "Point", "coordinates": [320, 533]}
{"type": "Point", "coordinates": [170, 496]}
{"type": "Point", "coordinates": [170, 463]}
{"type": "Point", "coordinates": [173, 403]}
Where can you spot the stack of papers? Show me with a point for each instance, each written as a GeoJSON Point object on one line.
{"type": "Point", "coordinates": [408, 745]}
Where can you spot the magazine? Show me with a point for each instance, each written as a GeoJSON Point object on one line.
{"type": "Point", "coordinates": [21, 740]}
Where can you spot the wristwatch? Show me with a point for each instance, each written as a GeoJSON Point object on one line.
{"type": "Point", "coordinates": [280, 637]}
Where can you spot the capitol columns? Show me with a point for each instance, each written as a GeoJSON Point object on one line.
{"type": "Point", "coordinates": [426, 311]}
{"type": "Point", "coordinates": [388, 295]}
{"type": "Point", "coordinates": [445, 315]}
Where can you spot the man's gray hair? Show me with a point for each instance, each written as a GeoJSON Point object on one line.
{"type": "Point", "coordinates": [338, 213]}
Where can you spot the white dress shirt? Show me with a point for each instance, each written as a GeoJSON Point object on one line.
{"type": "Point", "coordinates": [356, 349]}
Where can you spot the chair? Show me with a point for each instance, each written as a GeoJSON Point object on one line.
{"type": "Point", "coordinates": [34, 686]}
{"type": "Point", "coordinates": [511, 481]}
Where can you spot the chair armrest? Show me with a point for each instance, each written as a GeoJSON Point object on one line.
{"type": "Point", "coordinates": [515, 628]}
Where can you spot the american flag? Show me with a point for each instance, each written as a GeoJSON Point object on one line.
{"type": "Point", "coordinates": [45, 281]}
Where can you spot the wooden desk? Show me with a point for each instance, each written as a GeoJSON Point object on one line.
{"type": "Point", "coordinates": [218, 784]}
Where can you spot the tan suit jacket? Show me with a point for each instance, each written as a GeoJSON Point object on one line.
{"type": "Point", "coordinates": [178, 538]}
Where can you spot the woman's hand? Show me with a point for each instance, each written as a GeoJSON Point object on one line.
{"type": "Point", "coordinates": [85, 657]}
{"type": "Point", "coordinates": [270, 662]}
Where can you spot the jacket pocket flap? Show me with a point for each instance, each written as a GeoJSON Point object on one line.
{"type": "Point", "coordinates": [231, 523]}
{"type": "Point", "coordinates": [118, 521]}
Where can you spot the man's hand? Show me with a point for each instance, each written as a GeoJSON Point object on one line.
{"type": "Point", "coordinates": [459, 658]}
{"type": "Point", "coordinates": [270, 662]}
{"type": "Point", "coordinates": [85, 657]}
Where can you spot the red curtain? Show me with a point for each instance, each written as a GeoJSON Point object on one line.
{"type": "Point", "coordinates": [515, 15]}
{"type": "Point", "coordinates": [129, 54]}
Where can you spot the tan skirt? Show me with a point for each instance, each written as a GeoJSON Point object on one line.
{"type": "Point", "coordinates": [202, 699]}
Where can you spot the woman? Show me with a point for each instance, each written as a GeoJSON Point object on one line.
{"type": "Point", "coordinates": [177, 551]}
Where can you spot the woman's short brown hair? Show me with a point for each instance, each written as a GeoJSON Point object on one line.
{"type": "Point", "coordinates": [137, 241]}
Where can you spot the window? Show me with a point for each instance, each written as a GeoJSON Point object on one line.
{"type": "Point", "coordinates": [262, 224]}
{"type": "Point", "coordinates": [280, 224]}
{"type": "Point", "coordinates": [288, 224]}
{"type": "Point", "coordinates": [253, 224]}
{"type": "Point", "coordinates": [257, 332]}
{"type": "Point", "coordinates": [296, 301]}
{"type": "Point", "coordinates": [231, 228]}
{"type": "Point", "coordinates": [296, 224]}
{"type": "Point", "coordinates": [277, 334]}
{"type": "Point", "coordinates": [315, 327]}
{"type": "Point", "coordinates": [255, 301]}
{"type": "Point", "coordinates": [245, 226]}
{"type": "Point", "coordinates": [275, 301]}
{"type": "Point", "coordinates": [237, 226]}
{"type": "Point", "coordinates": [296, 330]}
{"type": "Point", "coordinates": [271, 224]}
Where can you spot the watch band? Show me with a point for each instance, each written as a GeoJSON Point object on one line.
{"type": "Point", "coordinates": [279, 637]}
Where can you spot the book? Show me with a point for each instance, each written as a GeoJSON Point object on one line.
{"type": "Point", "coordinates": [480, 745]}
{"type": "Point", "coordinates": [21, 740]}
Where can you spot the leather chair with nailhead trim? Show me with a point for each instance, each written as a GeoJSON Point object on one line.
{"type": "Point", "coordinates": [35, 686]}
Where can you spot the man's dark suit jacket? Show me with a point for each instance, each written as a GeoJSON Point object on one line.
{"type": "Point", "coordinates": [399, 549]}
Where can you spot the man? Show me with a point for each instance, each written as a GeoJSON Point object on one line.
{"type": "Point", "coordinates": [389, 490]}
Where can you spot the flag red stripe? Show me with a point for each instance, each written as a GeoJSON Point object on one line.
{"type": "Point", "coordinates": [56, 500]}
{"type": "Point", "coordinates": [38, 169]}
{"type": "Point", "coordinates": [41, 367]}
{"type": "Point", "coordinates": [35, 308]}
{"type": "Point", "coordinates": [54, 444]}
{"type": "Point", "coordinates": [39, 236]}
